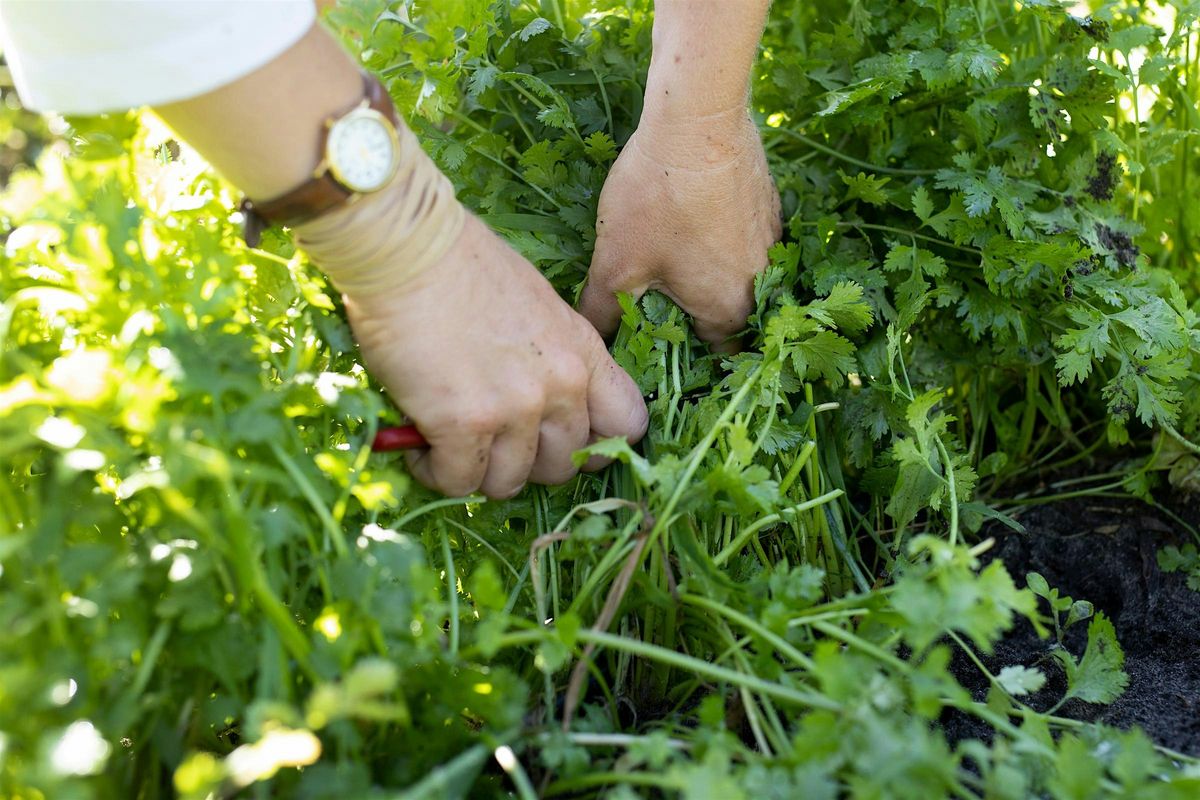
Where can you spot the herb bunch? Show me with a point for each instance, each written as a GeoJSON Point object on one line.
{"type": "Point", "coordinates": [211, 587]}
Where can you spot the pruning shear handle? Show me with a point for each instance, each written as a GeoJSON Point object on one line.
{"type": "Point", "coordinates": [405, 437]}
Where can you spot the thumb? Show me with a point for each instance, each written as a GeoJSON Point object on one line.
{"type": "Point", "coordinates": [721, 313]}
{"type": "Point", "coordinates": [721, 336]}
{"type": "Point", "coordinates": [615, 404]}
{"type": "Point", "coordinates": [608, 275]}
{"type": "Point", "coordinates": [598, 303]}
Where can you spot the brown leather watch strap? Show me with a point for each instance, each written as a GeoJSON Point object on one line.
{"type": "Point", "coordinates": [316, 196]}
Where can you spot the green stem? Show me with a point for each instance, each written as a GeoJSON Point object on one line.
{"type": "Point", "coordinates": [794, 470]}
{"type": "Point", "coordinates": [310, 494]}
{"type": "Point", "coordinates": [695, 665]}
{"type": "Point", "coordinates": [948, 468]}
{"type": "Point", "coordinates": [749, 624]}
{"type": "Point", "coordinates": [433, 506]}
{"type": "Point", "coordinates": [508, 762]}
{"type": "Point", "coordinates": [860, 644]}
{"type": "Point", "coordinates": [443, 779]}
{"type": "Point", "coordinates": [150, 656]}
{"type": "Point", "coordinates": [744, 535]}
{"type": "Point", "coordinates": [1137, 139]}
{"type": "Point", "coordinates": [581, 782]}
{"type": "Point", "coordinates": [451, 589]}
{"type": "Point", "coordinates": [899, 232]}
{"type": "Point", "coordinates": [1179, 437]}
{"type": "Point", "coordinates": [1095, 491]}
{"type": "Point", "coordinates": [829, 151]}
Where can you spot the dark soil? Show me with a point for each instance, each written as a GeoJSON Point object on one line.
{"type": "Point", "coordinates": [1105, 551]}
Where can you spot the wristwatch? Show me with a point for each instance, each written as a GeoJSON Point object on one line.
{"type": "Point", "coordinates": [360, 155]}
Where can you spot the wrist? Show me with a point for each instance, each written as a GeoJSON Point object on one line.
{"type": "Point", "coordinates": [667, 102]}
{"type": "Point", "coordinates": [702, 55]}
{"type": "Point", "coordinates": [385, 241]}
{"type": "Point", "coordinates": [690, 141]}
{"type": "Point", "coordinates": [670, 117]}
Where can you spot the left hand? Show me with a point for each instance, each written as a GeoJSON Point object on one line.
{"type": "Point", "coordinates": [689, 209]}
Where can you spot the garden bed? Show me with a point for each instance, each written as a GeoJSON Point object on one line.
{"type": "Point", "coordinates": [1105, 551]}
{"type": "Point", "coordinates": [209, 587]}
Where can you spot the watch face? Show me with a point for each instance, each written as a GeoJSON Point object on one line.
{"type": "Point", "coordinates": [362, 150]}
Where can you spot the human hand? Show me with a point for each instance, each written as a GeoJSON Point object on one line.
{"type": "Point", "coordinates": [504, 380]}
{"type": "Point", "coordinates": [688, 209]}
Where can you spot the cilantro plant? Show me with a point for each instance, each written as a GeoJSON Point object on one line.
{"type": "Point", "coordinates": [209, 586]}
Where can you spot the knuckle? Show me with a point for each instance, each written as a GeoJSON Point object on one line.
{"type": "Point", "coordinates": [617, 271]}
{"type": "Point", "coordinates": [731, 312]}
{"type": "Point", "coordinates": [637, 421]}
{"type": "Point", "coordinates": [571, 378]}
{"type": "Point", "coordinates": [524, 404]}
{"type": "Point", "coordinates": [480, 421]}
{"type": "Point", "coordinates": [458, 490]}
{"type": "Point", "coordinates": [591, 343]}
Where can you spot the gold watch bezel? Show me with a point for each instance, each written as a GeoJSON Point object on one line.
{"type": "Point", "coordinates": [331, 164]}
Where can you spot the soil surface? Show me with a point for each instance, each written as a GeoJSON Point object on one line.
{"type": "Point", "coordinates": [1105, 551]}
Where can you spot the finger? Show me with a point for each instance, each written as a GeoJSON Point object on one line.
{"type": "Point", "coordinates": [559, 440]}
{"type": "Point", "coordinates": [615, 404]}
{"type": "Point", "coordinates": [720, 324]}
{"type": "Point", "coordinates": [727, 346]}
{"type": "Point", "coordinates": [512, 458]}
{"type": "Point", "coordinates": [721, 338]}
{"type": "Point", "coordinates": [607, 275]}
{"type": "Point", "coordinates": [453, 465]}
{"type": "Point", "coordinates": [595, 463]}
{"type": "Point", "coordinates": [598, 304]}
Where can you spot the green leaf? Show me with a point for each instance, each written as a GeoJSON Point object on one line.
{"type": "Point", "coordinates": [1080, 610]}
{"type": "Point", "coordinates": [844, 309]}
{"type": "Point", "coordinates": [537, 26]}
{"type": "Point", "coordinates": [922, 205]}
{"type": "Point", "coordinates": [1154, 322]}
{"type": "Point", "coordinates": [824, 355]}
{"type": "Point", "coordinates": [1021, 680]}
{"type": "Point", "coordinates": [1077, 772]}
{"type": "Point", "coordinates": [866, 187]}
{"type": "Point", "coordinates": [1174, 559]}
{"type": "Point", "coordinates": [1098, 677]}
{"type": "Point", "coordinates": [600, 147]}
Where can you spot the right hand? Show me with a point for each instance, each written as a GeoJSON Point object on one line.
{"type": "Point", "coordinates": [504, 380]}
{"type": "Point", "coordinates": [689, 209]}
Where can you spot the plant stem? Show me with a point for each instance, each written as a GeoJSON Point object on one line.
{"type": "Point", "coordinates": [744, 535]}
{"type": "Point", "coordinates": [815, 145]}
{"type": "Point", "coordinates": [451, 589]}
{"type": "Point", "coordinates": [948, 468]}
{"type": "Point", "coordinates": [679, 660]}
{"type": "Point", "coordinates": [749, 624]}
{"type": "Point", "coordinates": [332, 528]}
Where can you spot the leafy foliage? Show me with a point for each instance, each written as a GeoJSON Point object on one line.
{"type": "Point", "coordinates": [208, 580]}
{"type": "Point", "coordinates": [1184, 559]}
{"type": "Point", "coordinates": [1097, 676]}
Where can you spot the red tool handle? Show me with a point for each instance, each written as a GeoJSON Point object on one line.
{"type": "Point", "coordinates": [406, 437]}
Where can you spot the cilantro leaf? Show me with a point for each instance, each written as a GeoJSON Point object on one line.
{"type": "Point", "coordinates": [1098, 676]}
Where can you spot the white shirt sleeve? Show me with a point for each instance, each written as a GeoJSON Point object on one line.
{"type": "Point", "coordinates": [91, 56]}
